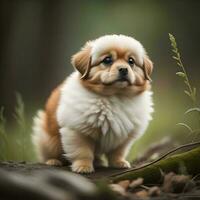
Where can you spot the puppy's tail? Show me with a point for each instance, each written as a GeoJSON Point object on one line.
{"type": "Point", "coordinates": [39, 133]}
{"type": "Point", "coordinates": [47, 146]}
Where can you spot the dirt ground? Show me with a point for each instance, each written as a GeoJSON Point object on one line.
{"type": "Point", "coordinates": [30, 168]}
{"type": "Point", "coordinates": [21, 180]}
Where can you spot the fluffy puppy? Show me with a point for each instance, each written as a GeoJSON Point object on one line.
{"type": "Point", "coordinates": [101, 108]}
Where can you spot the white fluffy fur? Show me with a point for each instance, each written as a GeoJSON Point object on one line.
{"type": "Point", "coordinates": [39, 133]}
{"type": "Point", "coordinates": [83, 112]}
{"type": "Point", "coordinates": [103, 43]}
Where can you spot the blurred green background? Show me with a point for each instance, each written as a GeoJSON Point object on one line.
{"type": "Point", "coordinates": [37, 41]}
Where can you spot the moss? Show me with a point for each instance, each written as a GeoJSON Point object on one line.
{"type": "Point", "coordinates": [187, 162]}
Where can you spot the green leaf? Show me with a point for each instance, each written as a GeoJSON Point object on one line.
{"type": "Point", "coordinates": [179, 64]}
{"type": "Point", "coordinates": [186, 92]}
{"type": "Point", "coordinates": [174, 57]}
{"type": "Point", "coordinates": [175, 51]}
{"type": "Point", "coordinates": [171, 37]}
{"type": "Point", "coordinates": [186, 82]}
{"type": "Point", "coordinates": [181, 74]}
{"type": "Point", "coordinates": [186, 126]}
{"type": "Point", "coordinates": [196, 109]}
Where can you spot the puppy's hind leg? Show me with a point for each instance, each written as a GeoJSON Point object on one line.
{"type": "Point", "coordinates": [47, 146]}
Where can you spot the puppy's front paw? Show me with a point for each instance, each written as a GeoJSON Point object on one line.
{"type": "Point", "coordinates": [54, 162]}
{"type": "Point", "coordinates": [82, 166]}
{"type": "Point", "coordinates": [120, 164]}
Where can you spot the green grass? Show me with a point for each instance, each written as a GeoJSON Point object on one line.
{"type": "Point", "coordinates": [19, 116]}
{"type": "Point", "coordinates": [15, 140]}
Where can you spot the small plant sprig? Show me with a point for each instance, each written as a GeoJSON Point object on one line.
{"type": "Point", "coordinates": [19, 115]}
{"type": "Point", "coordinates": [16, 137]}
{"type": "Point", "coordinates": [190, 91]}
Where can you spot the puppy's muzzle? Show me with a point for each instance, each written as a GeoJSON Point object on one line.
{"type": "Point", "coordinates": [123, 73]}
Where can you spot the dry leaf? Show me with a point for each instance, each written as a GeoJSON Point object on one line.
{"type": "Point", "coordinates": [167, 182]}
{"type": "Point", "coordinates": [154, 191]}
{"type": "Point", "coordinates": [135, 183]}
{"type": "Point", "coordinates": [118, 188]}
{"type": "Point", "coordinates": [124, 184]}
{"type": "Point", "coordinates": [175, 183]}
{"type": "Point", "coordinates": [179, 182]}
{"type": "Point", "coordinates": [142, 194]}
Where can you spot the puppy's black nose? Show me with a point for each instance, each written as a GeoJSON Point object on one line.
{"type": "Point", "coordinates": [123, 72]}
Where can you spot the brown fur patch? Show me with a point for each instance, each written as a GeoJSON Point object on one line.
{"type": "Point", "coordinates": [148, 67]}
{"type": "Point", "coordinates": [52, 147]}
{"type": "Point", "coordinates": [120, 55]}
{"type": "Point", "coordinates": [51, 125]}
{"type": "Point", "coordinates": [81, 61]}
{"type": "Point", "coordinates": [112, 90]}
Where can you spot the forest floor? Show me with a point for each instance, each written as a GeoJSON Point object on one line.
{"type": "Point", "coordinates": [23, 175]}
{"type": "Point", "coordinates": [31, 168]}
{"type": "Point", "coordinates": [36, 181]}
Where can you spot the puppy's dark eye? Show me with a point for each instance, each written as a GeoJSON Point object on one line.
{"type": "Point", "coordinates": [131, 61]}
{"type": "Point", "coordinates": [107, 60]}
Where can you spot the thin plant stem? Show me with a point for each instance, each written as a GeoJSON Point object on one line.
{"type": "Point", "coordinates": [192, 90]}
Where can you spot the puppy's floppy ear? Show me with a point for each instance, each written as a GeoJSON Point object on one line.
{"type": "Point", "coordinates": [82, 61]}
{"type": "Point", "coordinates": [147, 67]}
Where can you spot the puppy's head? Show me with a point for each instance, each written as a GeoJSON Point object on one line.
{"type": "Point", "coordinates": [114, 64]}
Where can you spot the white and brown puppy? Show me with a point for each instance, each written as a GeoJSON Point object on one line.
{"type": "Point", "coordinates": [101, 108]}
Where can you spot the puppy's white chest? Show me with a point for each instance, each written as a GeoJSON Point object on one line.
{"type": "Point", "coordinates": [107, 119]}
{"type": "Point", "coordinates": [114, 120]}
{"type": "Point", "coordinates": [99, 114]}
{"type": "Point", "coordinates": [109, 116]}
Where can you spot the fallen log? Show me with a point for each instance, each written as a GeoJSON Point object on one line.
{"type": "Point", "coordinates": [183, 163]}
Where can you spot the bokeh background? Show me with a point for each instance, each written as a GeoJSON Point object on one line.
{"type": "Point", "coordinates": [38, 39]}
